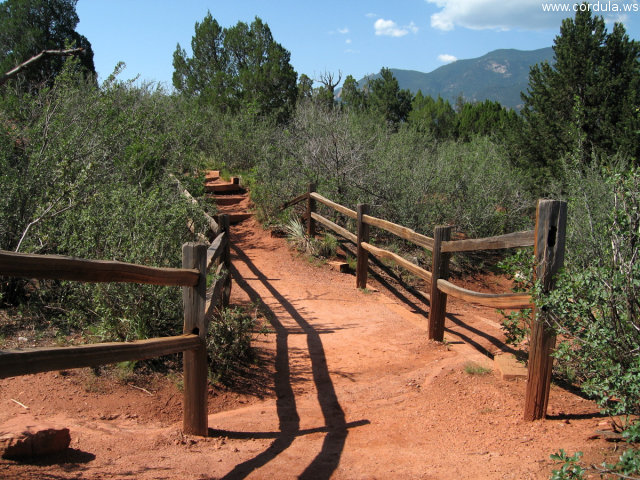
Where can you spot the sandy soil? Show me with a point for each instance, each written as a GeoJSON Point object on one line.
{"type": "Point", "coordinates": [348, 388]}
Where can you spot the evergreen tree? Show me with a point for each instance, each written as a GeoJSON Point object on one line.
{"type": "Point", "coordinates": [585, 103]}
{"type": "Point", "coordinates": [433, 116]}
{"type": "Point", "coordinates": [305, 87]}
{"type": "Point", "coordinates": [28, 27]}
{"type": "Point", "coordinates": [484, 118]}
{"type": "Point", "coordinates": [387, 100]}
{"type": "Point", "coordinates": [237, 68]}
{"type": "Point", "coordinates": [351, 95]}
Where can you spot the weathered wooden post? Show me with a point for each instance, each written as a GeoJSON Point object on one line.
{"type": "Point", "coordinates": [362, 255]}
{"type": "Point", "coordinates": [311, 208]}
{"type": "Point", "coordinates": [226, 260]}
{"type": "Point", "coordinates": [551, 222]}
{"type": "Point", "coordinates": [194, 255]}
{"type": "Point", "coordinates": [440, 269]}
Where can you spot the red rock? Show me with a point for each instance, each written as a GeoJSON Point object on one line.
{"type": "Point", "coordinates": [27, 437]}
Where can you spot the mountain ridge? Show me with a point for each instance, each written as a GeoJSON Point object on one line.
{"type": "Point", "coordinates": [499, 75]}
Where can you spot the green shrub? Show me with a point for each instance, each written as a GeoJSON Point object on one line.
{"type": "Point", "coordinates": [327, 246]}
{"type": "Point", "coordinates": [229, 343]}
{"type": "Point", "coordinates": [85, 173]}
{"type": "Point", "coordinates": [596, 309]}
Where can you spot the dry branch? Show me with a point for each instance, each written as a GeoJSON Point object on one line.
{"type": "Point", "coordinates": [45, 53]}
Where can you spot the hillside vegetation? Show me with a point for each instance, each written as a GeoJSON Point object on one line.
{"type": "Point", "coordinates": [85, 172]}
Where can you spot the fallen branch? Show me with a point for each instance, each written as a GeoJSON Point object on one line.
{"type": "Point", "coordinates": [143, 389]}
{"type": "Point", "coordinates": [21, 404]}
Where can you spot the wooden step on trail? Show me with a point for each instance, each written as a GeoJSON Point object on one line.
{"type": "Point", "coordinates": [238, 217]}
{"type": "Point", "coordinates": [212, 175]}
{"type": "Point", "coordinates": [224, 188]}
{"type": "Point", "coordinates": [341, 267]}
{"type": "Point", "coordinates": [227, 199]}
{"type": "Point", "coordinates": [510, 368]}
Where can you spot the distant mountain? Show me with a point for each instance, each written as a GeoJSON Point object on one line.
{"type": "Point", "coordinates": [499, 76]}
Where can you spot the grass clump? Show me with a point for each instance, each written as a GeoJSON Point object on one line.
{"type": "Point", "coordinates": [472, 368]}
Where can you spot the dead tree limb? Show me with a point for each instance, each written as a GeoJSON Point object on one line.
{"type": "Point", "coordinates": [37, 58]}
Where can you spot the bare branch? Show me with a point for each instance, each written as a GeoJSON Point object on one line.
{"type": "Point", "coordinates": [326, 79]}
{"type": "Point", "coordinates": [37, 58]}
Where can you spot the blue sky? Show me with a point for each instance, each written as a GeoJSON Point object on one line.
{"type": "Point", "coordinates": [350, 36]}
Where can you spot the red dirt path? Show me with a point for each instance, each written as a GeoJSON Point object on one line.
{"type": "Point", "coordinates": [349, 389]}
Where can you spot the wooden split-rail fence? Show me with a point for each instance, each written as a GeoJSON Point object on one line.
{"type": "Point", "coordinates": [548, 240]}
{"type": "Point", "coordinates": [198, 259]}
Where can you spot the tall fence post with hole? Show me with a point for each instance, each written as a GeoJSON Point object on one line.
{"type": "Point", "coordinates": [440, 269]}
{"type": "Point", "coordinates": [362, 255]}
{"type": "Point", "coordinates": [311, 208]}
{"type": "Point", "coordinates": [226, 260]}
{"type": "Point", "coordinates": [551, 222]}
{"type": "Point", "coordinates": [194, 255]}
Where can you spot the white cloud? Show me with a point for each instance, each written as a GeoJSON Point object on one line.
{"type": "Point", "coordinates": [348, 41]}
{"type": "Point", "coordinates": [390, 28]}
{"type": "Point", "coordinates": [446, 58]}
{"type": "Point", "coordinates": [507, 15]}
{"type": "Point", "coordinates": [340, 31]}
{"type": "Point", "coordinates": [371, 15]}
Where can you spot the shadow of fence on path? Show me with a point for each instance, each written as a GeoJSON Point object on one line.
{"type": "Point", "coordinates": [336, 427]}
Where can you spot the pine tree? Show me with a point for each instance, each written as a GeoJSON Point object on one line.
{"type": "Point", "coordinates": [585, 103]}
{"type": "Point", "coordinates": [387, 100]}
{"type": "Point", "coordinates": [237, 68]}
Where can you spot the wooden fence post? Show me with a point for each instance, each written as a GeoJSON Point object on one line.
{"type": "Point", "coordinates": [311, 208]}
{"type": "Point", "coordinates": [194, 255]}
{"type": "Point", "coordinates": [551, 221]}
{"type": "Point", "coordinates": [226, 260]}
{"type": "Point", "coordinates": [362, 255]}
{"type": "Point", "coordinates": [440, 269]}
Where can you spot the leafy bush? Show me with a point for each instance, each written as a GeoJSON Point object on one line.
{"type": "Point", "coordinates": [407, 177]}
{"type": "Point", "coordinates": [229, 343]}
{"type": "Point", "coordinates": [85, 174]}
{"type": "Point", "coordinates": [597, 311]}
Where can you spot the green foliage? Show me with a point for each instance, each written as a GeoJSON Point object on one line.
{"type": "Point", "coordinates": [297, 236]}
{"type": "Point", "coordinates": [484, 118]}
{"type": "Point", "coordinates": [570, 469]}
{"type": "Point", "coordinates": [627, 466]}
{"type": "Point", "coordinates": [241, 68]}
{"type": "Point", "coordinates": [472, 368]}
{"type": "Point", "coordinates": [386, 99]}
{"type": "Point", "coordinates": [85, 174]}
{"type": "Point", "coordinates": [596, 308]}
{"type": "Point", "coordinates": [354, 158]}
{"type": "Point", "coordinates": [327, 246]}
{"type": "Point", "coordinates": [29, 26]}
{"type": "Point", "coordinates": [351, 96]}
{"type": "Point", "coordinates": [229, 344]}
{"type": "Point", "coordinates": [517, 323]}
{"type": "Point", "coordinates": [433, 117]}
{"type": "Point", "coordinates": [585, 103]}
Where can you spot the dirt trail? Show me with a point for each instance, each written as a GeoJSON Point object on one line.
{"type": "Point", "coordinates": [357, 392]}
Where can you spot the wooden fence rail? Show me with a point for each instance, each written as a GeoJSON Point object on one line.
{"type": "Point", "coordinates": [197, 260]}
{"type": "Point", "coordinates": [547, 238]}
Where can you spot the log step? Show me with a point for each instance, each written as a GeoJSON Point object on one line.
{"type": "Point", "coordinates": [341, 267]}
{"type": "Point", "coordinates": [238, 217]}
{"type": "Point", "coordinates": [227, 199]}
{"type": "Point", "coordinates": [212, 175]}
{"type": "Point", "coordinates": [509, 367]}
{"type": "Point", "coordinates": [223, 188]}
